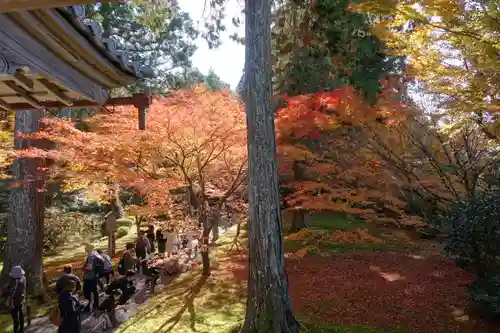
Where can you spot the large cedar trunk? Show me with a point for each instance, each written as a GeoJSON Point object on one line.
{"type": "Point", "coordinates": [268, 304]}
{"type": "Point", "coordinates": [25, 228]}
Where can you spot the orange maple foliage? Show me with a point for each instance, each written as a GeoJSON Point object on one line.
{"type": "Point", "coordinates": [322, 159]}
{"type": "Point", "coordinates": [192, 136]}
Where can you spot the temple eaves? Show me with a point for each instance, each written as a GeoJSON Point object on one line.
{"type": "Point", "coordinates": [53, 58]}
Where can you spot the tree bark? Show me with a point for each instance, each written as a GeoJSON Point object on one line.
{"type": "Point", "coordinates": [205, 246]}
{"type": "Point", "coordinates": [268, 303]}
{"type": "Point", "coordinates": [25, 229]}
{"type": "Point", "coordinates": [298, 220]}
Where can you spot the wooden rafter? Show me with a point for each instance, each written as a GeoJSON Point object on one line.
{"type": "Point", "coordinates": [24, 94]}
{"type": "Point", "coordinates": [23, 81]}
{"type": "Point", "coordinates": [56, 91]}
{"type": "Point", "coordinates": [21, 5]}
{"type": "Point", "coordinates": [4, 106]}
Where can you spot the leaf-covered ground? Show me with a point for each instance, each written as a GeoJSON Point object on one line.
{"type": "Point", "coordinates": [386, 290]}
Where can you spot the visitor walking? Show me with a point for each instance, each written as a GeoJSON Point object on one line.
{"type": "Point", "coordinates": [70, 308]}
{"type": "Point", "coordinates": [162, 241]}
{"type": "Point", "coordinates": [172, 241]}
{"type": "Point", "coordinates": [127, 261]}
{"type": "Point", "coordinates": [92, 271]}
{"type": "Point", "coordinates": [16, 295]}
{"type": "Point", "coordinates": [108, 267]}
{"type": "Point", "coordinates": [67, 274]}
{"type": "Point", "coordinates": [151, 237]}
{"type": "Point", "coordinates": [142, 246]}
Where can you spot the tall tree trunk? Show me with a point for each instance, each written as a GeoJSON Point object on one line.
{"type": "Point", "coordinates": [205, 246]}
{"type": "Point", "coordinates": [25, 229]}
{"type": "Point", "coordinates": [268, 303]}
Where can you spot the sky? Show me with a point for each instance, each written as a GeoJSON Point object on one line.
{"type": "Point", "coordinates": [229, 59]}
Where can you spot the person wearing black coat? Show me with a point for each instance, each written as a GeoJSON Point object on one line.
{"type": "Point", "coordinates": [70, 309]}
{"type": "Point", "coordinates": [16, 295]}
{"type": "Point", "coordinates": [150, 234]}
{"type": "Point", "coordinates": [125, 284]}
{"type": "Point", "coordinates": [162, 241]}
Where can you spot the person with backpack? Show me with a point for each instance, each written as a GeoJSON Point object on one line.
{"type": "Point", "coordinates": [94, 265]}
{"type": "Point", "coordinates": [68, 274]}
{"type": "Point", "coordinates": [108, 266]}
{"type": "Point", "coordinates": [127, 261]}
{"type": "Point", "coordinates": [69, 309]}
{"type": "Point", "coordinates": [16, 296]}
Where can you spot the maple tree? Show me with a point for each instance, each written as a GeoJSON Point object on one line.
{"type": "Point", "coordinates": [323, 161]}
{"type": "Point", "coordinates": [195, 139]}
{"type": "Point", "coordinates": [386, 163]}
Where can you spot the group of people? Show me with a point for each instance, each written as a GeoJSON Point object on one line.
{"type": "Point", "coordinates": [98, 266]}
{"type": "Point", "coordinates": [169, 242]}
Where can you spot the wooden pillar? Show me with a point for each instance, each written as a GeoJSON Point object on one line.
{"type": "Point", "coordinates": [142, 119]}
{"type": "Point", "coordinates": [142, 103]}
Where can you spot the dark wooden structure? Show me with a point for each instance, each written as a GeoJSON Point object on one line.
{"type": "Point", "coordinates": [22, 5]}
{"type": "Point", "coordinates": [56, 58]}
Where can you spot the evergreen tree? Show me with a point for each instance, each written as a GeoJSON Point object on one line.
{"type": "Point", "coordinates": [153, 33]}
{"type": "Point", "coordinates": [214, 82]}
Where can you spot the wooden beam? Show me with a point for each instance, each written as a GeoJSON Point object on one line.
{"type": "Point", "coordinates": [24, 94]}
{"type": "Point", "coordinates": [23, 81]}
{"type": "Point", "coordinates": [56, 91]}
{"type": "Point", "coordinates": [21, 5]}
{"type": "Point", "coordinates": [4, 106]}
{"type": "Point", "coordinates": [118, 101]}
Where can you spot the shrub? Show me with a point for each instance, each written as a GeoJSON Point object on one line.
{"type": "Point", "coordinates": [62, 226]}
{"type": "Point", "coordinates": [475, 234]}
{"type": "Point", "coordinates": [474, 239]}
{"type": "Point", "coordinates": [122, 231]}
{"type": "Point", "coordinates": [485, 293]}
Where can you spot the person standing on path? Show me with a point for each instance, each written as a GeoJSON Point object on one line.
{"type": "Point", "coordinates": [151, 237]}
{"type": "Point", "coordinates": [91, 277]}
{"type": "Point", "coordinates": [108, 266]}
{"type": "Point", "coordinates": [16, 296]}
{"type": "Point", "coordinates": [68, 274]}
{"type": "Point", "coordinates": [70, 309]}
{"type": "Point", "coordinates": [162, 242]}
{"type": "Point", "coordinates": [142, 246]}
{"type": "Point", "coordinates": [172, 240]}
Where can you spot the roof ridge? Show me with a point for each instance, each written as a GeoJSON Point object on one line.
{"type": "Point", "coordinates": [94, 32]}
